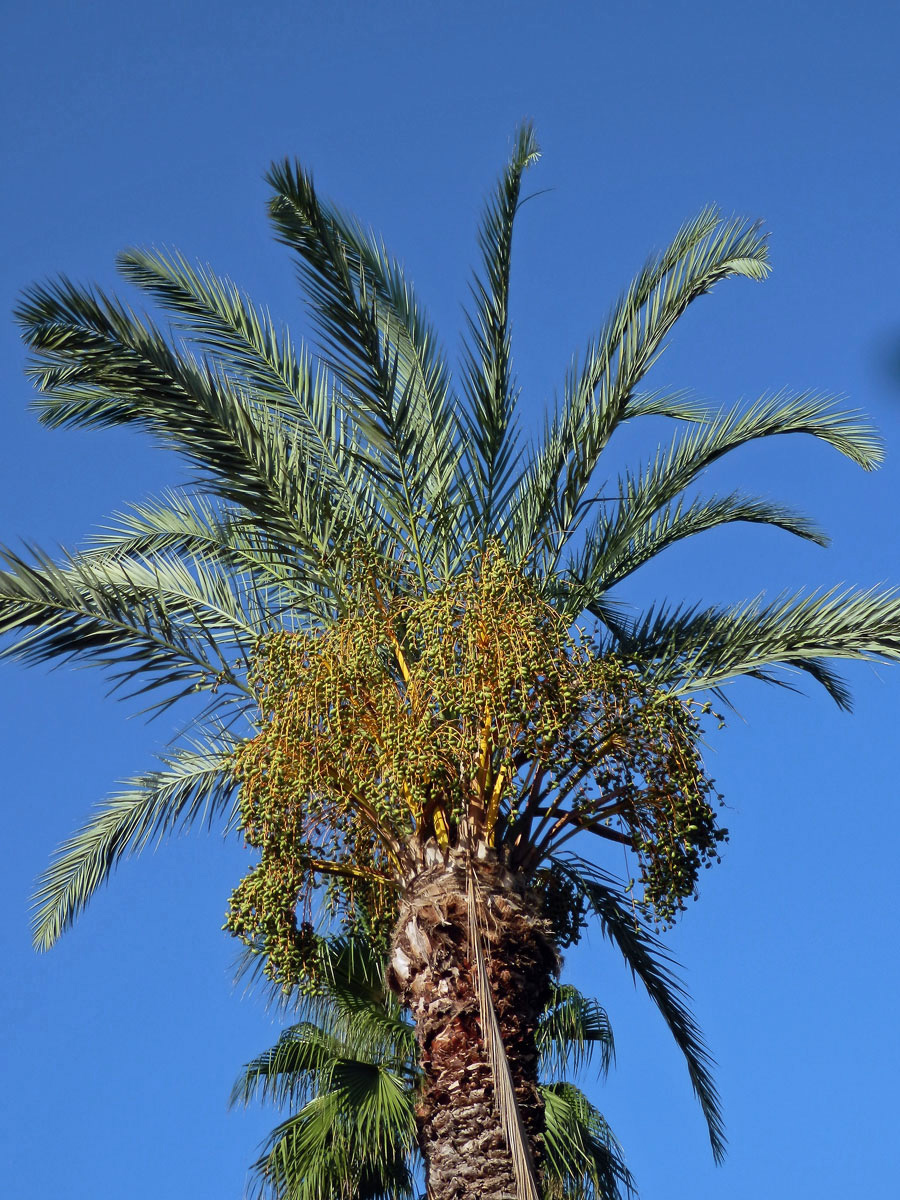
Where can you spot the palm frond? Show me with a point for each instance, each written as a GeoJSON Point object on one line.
{"type": "Point", "coordinates": [690, 650]}
{"type": "Point", "coordinates": [584, 1159]}
{"type": "Point", "coordinates": [617, 545]}
{"type": "Point", "coordinates": [651, 964]}
{"type": "Point", "coordinates": [222, 321]}
{"type": "Point", "coordinates": [400, 404]}
{"type": "Point", "coordinates": [326, 1151]}
{"type": "Point", "coordinates": [571, 1027]}
{"type": "Point", "coordinates": [151, 625]}
{"type": "Point", "coordinates": [97, 364]}
{"type": "Point", "coordinates": [599, 390]}
{"type": "Point", "coordinates": [353, 993]}
{"type": "Point", "coordinates": [487, 360]}
{"type": "Point", "coordinates": [194, 787]}
{"type": "Point", "coordinates": [192, 527]}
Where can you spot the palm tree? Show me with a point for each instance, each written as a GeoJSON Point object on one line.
{"type": "Point", "coordinates": [348, 1067]}
{"type": "Point", "coordinates": [375, 584]}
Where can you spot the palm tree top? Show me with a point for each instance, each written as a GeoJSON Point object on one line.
{"type": "Point", "coordinates": [365, 478]}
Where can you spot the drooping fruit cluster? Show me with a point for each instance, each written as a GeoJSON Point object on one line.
{"type": "Point", "coordinates": [461, 714]}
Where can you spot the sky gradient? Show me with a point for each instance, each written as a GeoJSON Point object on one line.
{"type": "Point", "coordinates": [154, 126]}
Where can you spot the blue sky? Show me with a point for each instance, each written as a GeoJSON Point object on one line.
{"type": "Point", "coordinates": [153, 125]}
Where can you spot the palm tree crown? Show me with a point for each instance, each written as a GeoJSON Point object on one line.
{"type": "Point", "coordinates": [375, 581]}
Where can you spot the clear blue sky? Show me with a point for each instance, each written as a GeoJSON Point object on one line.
{"type": "Point", "coordinates": [153, 124]}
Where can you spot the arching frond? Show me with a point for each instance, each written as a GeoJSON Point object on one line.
{"type": "Point", "coordinates": [598, 391]}
{"type": "Point", "coordinates": [194, 787]}
{"type": "Point", "coordinates": [223, 322]}
{"type": "Point", "coordinates": [408, 425]}
{"type": "Point", "coordinates": [689, 649]}
{"type": "Point", "coordinates": [156, 625]}
{"type": "Point", "coordinates": [620, 544]}
{"type": "Point", "coordinates": [572, 1026]}
{"type": "Point", "coordinates": [97, 365]}
{"type": "Point", "coordinates": [584, 1159]}
{"type": "Point", "coordinates": [651, 964]}
{"type": "Point", "coordinates": [192, 527]}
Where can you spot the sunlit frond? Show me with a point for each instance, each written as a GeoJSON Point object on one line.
{"type": "Point", "coordinates": [149, 625]}
{"type": "Point", "coordinates": [487, 360]}
{"type": "Point", "coordinates": [599, 388]}
{"type": "Point", "coordinates": [194, 787]}
{"type": "Point", "coordinates": [693, 649]}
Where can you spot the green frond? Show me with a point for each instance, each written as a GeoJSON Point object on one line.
{"type": "Point", "coordinates": [222, 322]}
{"type": "Point", "coordinates": [151, 625]}
{"type": "Point", "coordinates": [487, 362]}
{"type": "Point", "coordinates": [571, 1027]}
{"type": "Point", "coordinates": [325, 1152]}
{"type": "Point", "coordinates": [396, 392]}
{"type": "Point", "coordinates": [652, 513]}
{"type": "Point", "coordinates": [584, 1159]}
{"type": "Point", "coordinates": [599, 389]}
{"type": "Point", "coordinates": [651, 964]}
{"type": "Point", "coordinates": [195, 787]}
{"type": "Point", "coordinates": [617, 545]}
{"type": "Point", "coordinates": [692, 650]}
{"type": "Point", "coordinates": [194, 528]}
{"type": "Point", "coordinates": [352, 996]}
{"type": "Point", "coordinates": [98, 365]}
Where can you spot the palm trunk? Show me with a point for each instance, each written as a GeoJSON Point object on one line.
{"type": "Point", "coordinates": [433, 970]}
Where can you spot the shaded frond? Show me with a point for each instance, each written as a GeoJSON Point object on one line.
{"type": "Point", "coordinates": [651, 964]}
{"type": "Point", "coordinates": [349, 1143]}
{"type": "Point", "coordinates": [571, 1027]}
{"type": "Point", "coordinates": [584, 1159]}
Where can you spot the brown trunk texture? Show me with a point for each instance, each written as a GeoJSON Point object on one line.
{"type": "Point", "coordinates": [433, 970]}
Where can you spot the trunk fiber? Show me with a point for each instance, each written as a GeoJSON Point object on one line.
{"type": "Point", "coordinates": [433, 970]}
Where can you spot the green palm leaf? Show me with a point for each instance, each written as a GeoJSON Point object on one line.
{"type": "Point", "coordinates": [691, 649]}
{"type": "Point", "coordinates": [599, 391]}
{"type": "Point", "coordinates": [584, 1158]}
{"type": "Point", "coordinates": [194, 787]}
{"type": "Point", "coordinates": [487, 363]}
{"type": "Point", "coordinates": [572, 1026]}
{"type": "Point", "coordinates": [153, 624]}
{"type": "Point", "coordinates": [400, 405]}
{"type": "Point", "coordinates": [651, 964]}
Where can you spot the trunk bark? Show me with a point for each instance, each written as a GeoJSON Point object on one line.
{"type": "Point", "coordinates": [433, 971]}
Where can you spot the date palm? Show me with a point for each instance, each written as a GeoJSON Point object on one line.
{"type": "Point", "coordinates": [375, 583]}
